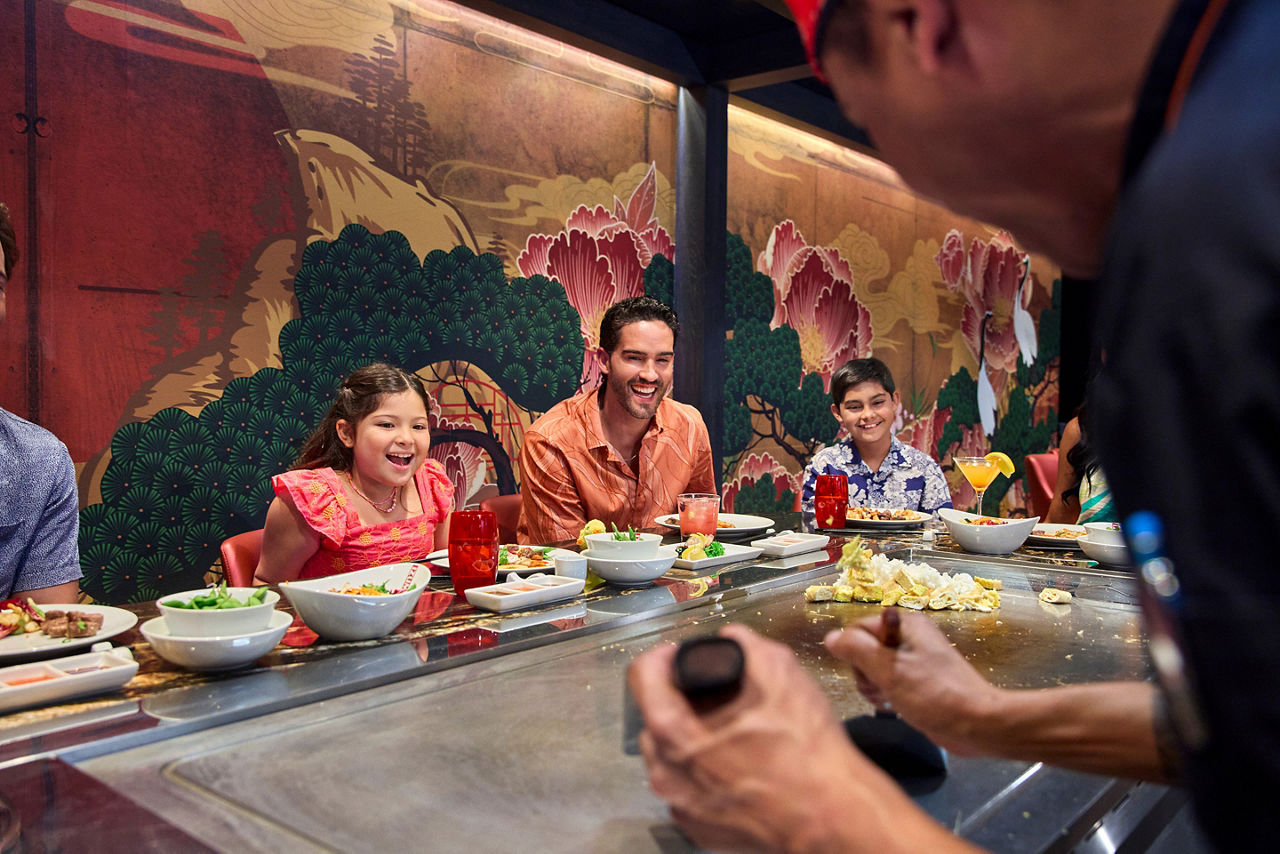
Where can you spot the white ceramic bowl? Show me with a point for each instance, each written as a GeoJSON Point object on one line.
{"type": "Point", "coordinates": [630, 572]}
{"type": "Point", "coordinates": [987, 539]}
{"type": "Point", "coordinates": [215, 653]}
{"type": "Point", "coordinates": [570, 565]}
{"type": "Point", "coordinates": [217, 624]}
{"type": "Point", "coordinates": [1107, 533]}
{"type": "Point", "coordinates": [645, 546]}
{"type": "Point", "coordinates": [346, 616]}
{"type": "Point", "coordinates": [1108, 553]}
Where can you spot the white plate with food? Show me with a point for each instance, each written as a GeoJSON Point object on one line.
{"type": "Point", "coordinates": [528, 559]}
{"type": "Point", "coordinates": [1055, 535]}
{"type": "Point", "coordinates": [41, 682]}
{"type": "Point", "coordinates": [732, 553]}
{"type": "Point", "coordinates": [32, 645]}
{"type": "Point", "coordinates": [727, 525]}
{"type": "Point", "coordinates": [884, 519]}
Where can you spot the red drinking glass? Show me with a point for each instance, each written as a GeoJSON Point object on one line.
{"type": "Point", "coordinates": [473, 549]}
{"type": "Point", "coordinates": [831, 500]}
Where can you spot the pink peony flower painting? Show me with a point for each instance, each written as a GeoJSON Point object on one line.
{"type": "Point", "coordinates": [990, 277]}
{"type": "Point", "coordinates": [599, 258]}
{"type": "Point", "coordinates": [813, 294]}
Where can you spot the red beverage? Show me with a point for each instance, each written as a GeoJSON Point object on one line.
{"type": "Point", "coordinates": [699, 512]}
{"type": "Point", "coordinates": [831, 500]}
{"type": "Point", "coordinates": [473, 550]}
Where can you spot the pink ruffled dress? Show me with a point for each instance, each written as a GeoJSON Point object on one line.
{"type": "Point", "coordinates": [348, 544]}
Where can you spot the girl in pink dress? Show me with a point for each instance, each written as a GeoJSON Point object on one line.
{"type": "Point", "coordinates": [362, 492]}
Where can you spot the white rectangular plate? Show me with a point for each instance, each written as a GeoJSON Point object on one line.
{"type": "Point", "coordinates": [534, 590]}
{"type": "Point", "coordinates": [785, 545]}
{"type": "Point", "coordinates": [112, 669]}
{"type": "Point", "coordinates": [732, 553]}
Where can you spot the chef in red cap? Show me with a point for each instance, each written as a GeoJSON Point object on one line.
{"type": "Point", "coordinates": [1136, 142]}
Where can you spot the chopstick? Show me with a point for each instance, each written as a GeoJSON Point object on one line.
{"type": "Point", "coordinates": [890, 628]}
{"type": "Point", "coordinates": [891, 637]}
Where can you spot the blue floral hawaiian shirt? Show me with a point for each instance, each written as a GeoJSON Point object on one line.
{"type": "Point", "coordinates": [908, 478]}
{"type": "Point", "coordinates": [39, 508]}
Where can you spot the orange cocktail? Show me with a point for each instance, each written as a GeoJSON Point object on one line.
{"type": "Point", "coordinates": [981, 471]}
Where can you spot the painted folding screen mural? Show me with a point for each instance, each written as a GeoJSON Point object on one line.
{"type": "Point", "coordinates": [831, 259]}
{"type": "Point", "coordinates": [238, 203]}
{"type": "Point", "coordinates": [241, 202]}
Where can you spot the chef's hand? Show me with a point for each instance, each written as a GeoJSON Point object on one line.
{"type": "Point", "coordinates": [772, 769]}
{"type": "Point", "coordinates": [923, 678]}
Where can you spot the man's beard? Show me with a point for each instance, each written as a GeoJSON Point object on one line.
{"type": "Point", "coordinates": [622, 393]}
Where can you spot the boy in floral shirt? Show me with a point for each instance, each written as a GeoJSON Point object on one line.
{"type": "Point", "coordinates": [882, 471]}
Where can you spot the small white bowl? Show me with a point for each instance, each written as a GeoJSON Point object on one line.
{"type": "Point", "coordinates": [630, 572]}
{"type": "Point", "coordinates": [215, 653]}
{"type": "Point", "coordinates": [643, 547]}
{"type": "Point", "coordinates": [1107, 533]}
{"type": "Point", "coordinates": [570, 565]}
{"type": "Point", "coordinates": [987, 539]}
{"type": "Point", "coordinates": [209, 623]}
{"type": "Point", "coordinates": [1108, 553]}
{"type": "Point", "coordinates": [346, 616]}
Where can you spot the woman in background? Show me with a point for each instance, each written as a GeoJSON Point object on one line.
{"type": "Point", "coordinates": [362, 492]}
{"type": "Point", "coordinates": [1081, 493]}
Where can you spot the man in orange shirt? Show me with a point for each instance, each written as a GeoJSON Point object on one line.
{"type": "Point", "coordinates": [622, 452]}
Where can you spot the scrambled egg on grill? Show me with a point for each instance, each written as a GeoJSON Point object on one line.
{"type": "Point", "coordinates": [874, 578]}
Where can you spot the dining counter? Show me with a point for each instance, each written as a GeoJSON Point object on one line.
{"type": "Point", "coordinates": [498, 732]}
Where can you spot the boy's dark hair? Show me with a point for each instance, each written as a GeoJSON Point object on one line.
{"type": "Point", "coordinates": [360, 394]}
{"type": "Point", "coordinates": [856, 371]}
{"type": "Point", "coordinates": [634, 310]}
{"type": "Point", "coordinates": [8, 240]}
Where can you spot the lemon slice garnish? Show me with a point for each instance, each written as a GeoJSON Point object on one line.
{"type": "Point", "coordinates": [1002, 462]}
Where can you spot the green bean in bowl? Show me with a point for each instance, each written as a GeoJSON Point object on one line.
{"type": "Point", "coordinates": [217, 598]}
{"type": "Point", "coordinates": [218, 611]}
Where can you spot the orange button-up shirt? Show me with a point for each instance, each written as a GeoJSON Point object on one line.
{"type": "Point", "coordinates": [571, 474]}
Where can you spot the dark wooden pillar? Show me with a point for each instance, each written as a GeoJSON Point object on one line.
{"type": "Point", "coordinates": [701, 165]}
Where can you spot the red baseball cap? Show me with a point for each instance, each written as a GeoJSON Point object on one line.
{"type": "Point", "coordinates": [811, 22]}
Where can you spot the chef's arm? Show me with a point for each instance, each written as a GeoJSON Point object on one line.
{"type": "Point", "coordinates": [1105, 728]}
